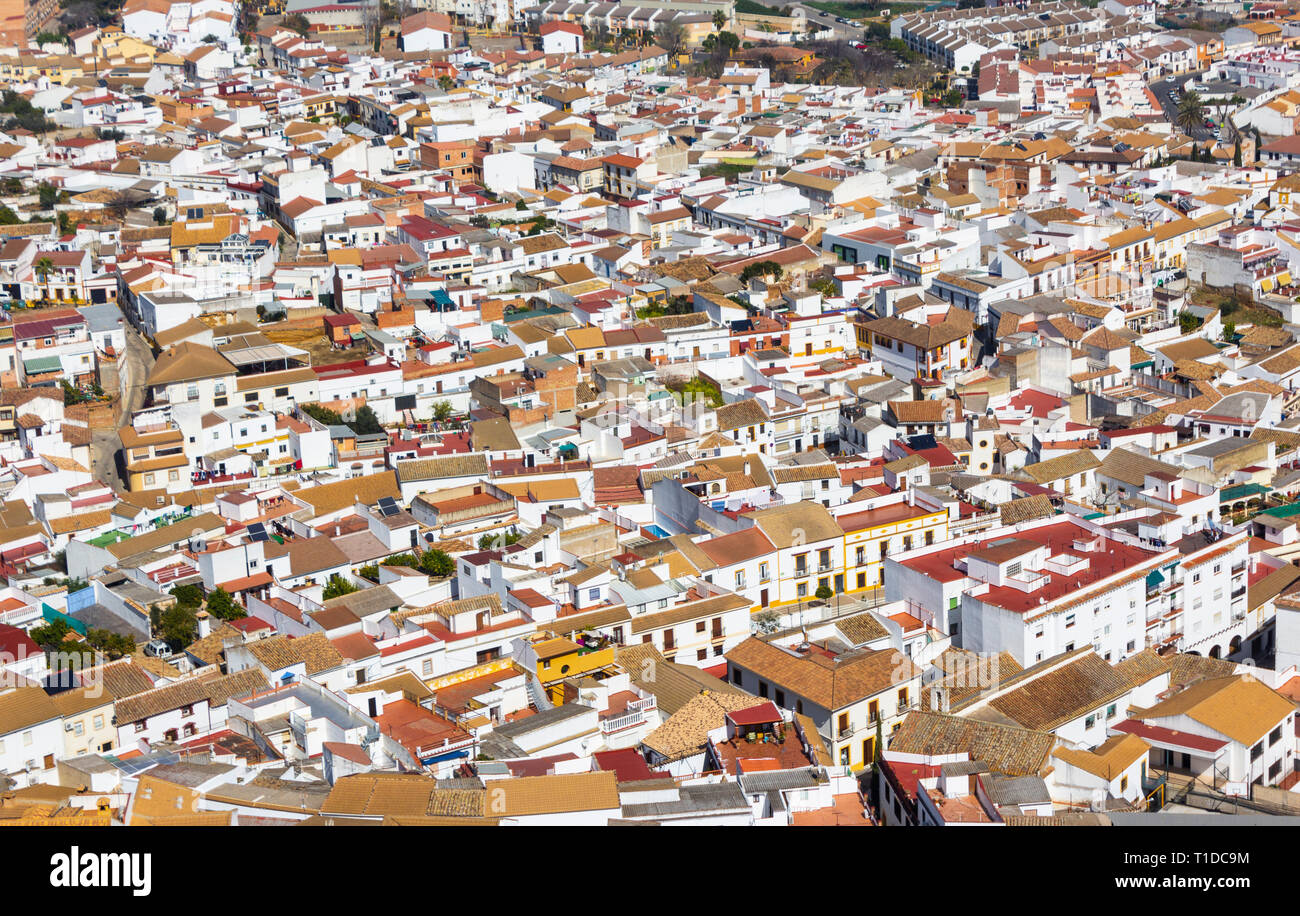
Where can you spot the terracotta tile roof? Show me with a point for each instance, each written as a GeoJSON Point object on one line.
{"type": "Point", "coordinates": [331, 497]}
{"type": "Point", "coordinates": [558, 794]}
{"type": "Point", "coordinates": [1241, 707]}
{"type": "Point", "coordinates": [391, 794]}
{"type": "Point", "coordinates": [831, 684]}
{"type": "Point", "coordinates": [1107, 760]}
{"type": "Point", "coordinates": [1026, 509]}
{"type": "Point", "coordinates": [216, 690]}
{"type": "Point", "coordinates": [279, 652]}
{"type": "Point", "coordinates": [686, 731]}
{"type": "Point", "coordinates": [1006, 749]}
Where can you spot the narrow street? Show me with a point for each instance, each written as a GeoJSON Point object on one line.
{"type": "Point", "coordinates": [1162, 89]}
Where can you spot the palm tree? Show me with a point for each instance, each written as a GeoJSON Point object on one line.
{"type": "Point", "coordinates": [719, 20]}
{"type": "Point", "coordinates": [43, 268]}
{"type": "Point", "coordinates": [1191, 111]}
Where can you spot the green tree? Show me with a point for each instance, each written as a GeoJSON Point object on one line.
{"type": "Point", "coordinates": [177, 626]}
{"type": "Point", "coordinates": [159, 216]}
{"type": "Point", "coordinates": [50, 635]}
{"type": "Point", "coordinates": [113, 645]}
{"type": "Point", "coordinates": [297, 22]}
{"type": "Point", "coordinates": [366, 422]}
{"type": "Point", "coordinates": [719, 20]}
{"type": "Point", "coordinates": [43, 268]}
{"type": "Point", "coordinates": [761, 269]}
{"type": "Point", "coordinates": [224, 607]}
{"type": "Point", "coordinates": [1236, 153]}
{"type": "Point", "coordinates": [442, 410]}
{"type": "Point", "coordinates": [322, 414]}
{"type": "Point", "coordinates": [1191, 111]}
{"type": "Point", "coordinates": [498, 539]}
{"type": "Point", "coordinates": [446, 83]}
{"type": "Point", "coordinates": [823, 593]}
{"type": "Point", "coordinates": [188, 595]}
{"type": "Point", "coordinates": [1229, 331]}
{"type": "Point", "coordinates": [337, 586]}
{"type": "Point", "coordinates": [437, 564]}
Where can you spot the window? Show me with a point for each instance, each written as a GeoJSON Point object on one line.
{"type": "Point", "coordinates": [1069, 621]}
{"type": "Point", "coordinates": [762, 689]}
{"type": "Point", "coordinates": [801, 590]}
{"type": "Point", "coordinates": [699, 626]}
{"type": "Point", "coordinates": [1123, 783]}
{"type": "Point", "coordinates": [1275, 736]}
{"type": "Point", "coordinates": [902, 698]}
{"type": "Point", "coordinates": [862, 580]}
{"type": "Point", "coordinates": [27, 739]}
{"type": "Point", "coordinates": [1090, 721]}
{"type": "Point", "coordinates": [282, 392]}
{"type": "Point", "coordinates": [1110, 711]}
{"type": "Point", "coordinates": [78, 728]}
{"type": "Point", "coordinates": [139, 727]}
{"type": "Point", "coordinates": [762, 572]}
{"type": "Point", "coordinates": [98, 722]}
{"type": "Point", "coordinates": [701, 654]}
{"type": "Point", "coordinates": [780, 698]}
{"type": "Point", "coordinates": [427, 668]}
{"type": "Point", "coordinates": [593, 594]}
{"type": "Point", "coordinates": [844, 722]}
{"type": "Point", "coordinates": [735, 676]}
{"type": "Point", "coordinates": [873, 712]}
{"type": "Point", "coordinates": [1257, 751]}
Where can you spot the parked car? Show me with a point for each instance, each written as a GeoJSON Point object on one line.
{"type": "Point", "coordinates": [158, 648]}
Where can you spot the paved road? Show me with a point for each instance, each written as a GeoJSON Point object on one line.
{"type": "Point", "coordinates": [842, 30]}
{"type": "Point", "coordinates": [1162, 89]}
{"type": "Point", "coordinates": [826, 20]}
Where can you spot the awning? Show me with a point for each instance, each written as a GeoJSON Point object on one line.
{"type": "Point", "coordinates": [1155, 579]}
{"type": "Point", "coordinates": [1266, 285]}
{"type": "Point", "coordinates": [38, 364]}
{"type": "Point", "coordinates": [453, 755]}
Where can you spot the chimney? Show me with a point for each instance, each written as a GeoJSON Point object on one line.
{"type": "Point", "coordinates": [205, 623]}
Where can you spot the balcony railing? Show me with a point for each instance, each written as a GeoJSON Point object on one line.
{"type": "Point", "coordinates": [619, 723]}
